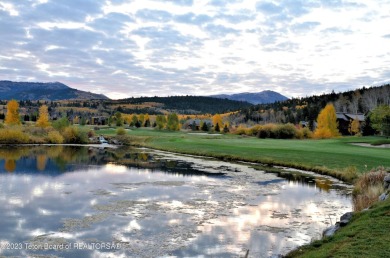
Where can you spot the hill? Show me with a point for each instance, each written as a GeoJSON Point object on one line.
{"type": "Point", "coordinates": [178, 104]}
{"type": "Point", "coordinates": [42, 91]}
{"type": "Point", "coordinates": [263, 97]}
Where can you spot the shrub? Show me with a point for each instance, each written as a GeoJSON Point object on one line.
{"type": "Point", "coordinates": [1, 125]}
{"type": "Point", "coordinates": [120, 131]}
{"type": "Point", "coordinates": [253, 131]}
{"type": "Point", "coordinates": [75, 135]}
{"type": "Point", "coordinates": [284, 131]}
{"type": "Point", "coordinates": [61, 124]}
{"type": "Point", "coordinates": [267, 131]}
{"type": "Point", "coordinates": [13, 136]}
{"type": "Point", "coordinates": [307, 133]}
{"type": "Point", "coordinates": [240, 130]}
{"type": "Point", "coordinates": [91, 134]}
{"type": "Point", "coordinates": [55, 137]}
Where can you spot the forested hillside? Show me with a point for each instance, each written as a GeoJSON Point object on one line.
{"type": "Point", "coordinates": [42, 91]}
{"type": "Point", "coordinates": [178, 104]}
{"type": "Point", "coordinates": [307, 109]}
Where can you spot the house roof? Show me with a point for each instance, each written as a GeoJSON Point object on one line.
{"type": "Point", "coordinates": [359, 117]}
{"type": "Point", "coordinates": [349, 116]}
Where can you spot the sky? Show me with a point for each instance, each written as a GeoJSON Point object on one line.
{"type": "Point", "coordinates": [197, 47]}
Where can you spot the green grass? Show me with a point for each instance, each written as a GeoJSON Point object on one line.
{"type": "Point", "coordinates": [336, 157]}
{"type": "Point", "coordinates": [367, 235]}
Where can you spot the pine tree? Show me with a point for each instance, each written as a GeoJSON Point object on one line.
{"type": "Point", "coordinates": [204, 128]}
{"type": "Point", "coordinates": [217, 129]}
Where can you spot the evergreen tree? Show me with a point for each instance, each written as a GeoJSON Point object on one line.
{"type": "Point", "coordinates": [204, 128]}
{"type": "Point", "coordinates": [367, 127]}
{"type": "Point", "coordinates": [217, 129]}
{"type": "Point", "coordinates": [225, 129]}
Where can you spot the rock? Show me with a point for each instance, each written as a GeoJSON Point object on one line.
{"type": "Point", "coordinates": [344, 219]}
{"type": "Point", "coordinates": [386, 181]}
{"type": "Point", "coordinates": [331, 230]}
{"type": "Point", "coordinates": [383, 196]}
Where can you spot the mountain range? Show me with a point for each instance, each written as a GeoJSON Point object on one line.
{"type": "Point", "coordinates": [263, 97]}
{"type": "Point", "coordinates": [43, 91]}
{"type": "Point", "coordinates": [58, 91]}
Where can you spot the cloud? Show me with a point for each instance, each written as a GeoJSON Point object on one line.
{"type": "Point", "coordinates": [151, 47]}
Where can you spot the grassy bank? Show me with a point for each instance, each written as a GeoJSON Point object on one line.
{"type": "Point", "coordinates": [367, 235]}
{"type": "Point", "coordinates": [335, 157]}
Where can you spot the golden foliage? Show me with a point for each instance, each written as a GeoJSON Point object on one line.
{"type": "Point", "coordinates": [217, 119]}
{"type": "Point", "coordinates": [43, 120]}
{"type": "Point", "coordinates": [120, 131]}
{"type": "Point", "coordinates": [10, 165]}
{"type": "Point", "coordinates": [55, 137]}
{"type": "Point", "coordinates": [14, 135]}
{"type": "Point", "coordinates": [12, 117]}
{"type": "Point", "coordinates": [327, 123]}
{"type": "Point", "coordinates": [41, 162]}
{"type": "Point", "coordinates": [354, 126]}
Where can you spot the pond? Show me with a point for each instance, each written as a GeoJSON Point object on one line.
{"type": "Point", "coordinates": [63, 201]}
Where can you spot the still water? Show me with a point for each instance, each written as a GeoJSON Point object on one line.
{"type": "Point", "coordinates": [58, 201]}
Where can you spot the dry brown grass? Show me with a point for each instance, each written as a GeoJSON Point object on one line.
{"type": "Point", "coordinates": [368, 188]}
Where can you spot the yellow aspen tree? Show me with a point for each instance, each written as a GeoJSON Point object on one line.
{"type": "Point", "coordinates": [354, 126]}
{"type": "Point", "coordinates": [327, 123]}
{"type": "Point", "coordinates": [43, 120]}
{"type": "Point", "coordinates": [217, 119]}
{"type": "Point", "coordinates": [12, 117]}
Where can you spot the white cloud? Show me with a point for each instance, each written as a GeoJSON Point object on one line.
{"type": "Point", "coordinates": [151, 47]}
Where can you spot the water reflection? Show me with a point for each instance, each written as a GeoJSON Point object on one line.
{"type": "Point", "coordinates": [154, 204]}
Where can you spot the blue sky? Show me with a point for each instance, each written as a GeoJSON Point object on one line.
{"type": "Point", "coordinates": [188, 47]}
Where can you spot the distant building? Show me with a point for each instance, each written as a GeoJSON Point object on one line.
{"type": "Point", "coordinates": [195, 124]}
{"type": "Point", "coordinates": [344, 120]}
{"type": "Point", "coordinates": [99, 120]}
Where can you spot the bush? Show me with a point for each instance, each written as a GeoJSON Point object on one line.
{"type": "Point", "coordinates": [1, 125]}
{"type": "Point", "coordinates": [13, 136]}
{"type": "Point", "coordinates": [240, 130]}
{"type": "Point", "coordinates": [91, 134]}
{"type": "Point", "coordinates": [61, 124]}
{"type": "Point", "coordinates": [307, 133]}
{"type": "Point", "coordinates": [267, 131]}
{"type": "Point", "coordinates": [284, 131]}
{"type": "Point", "coordinates": [55, 137]}
{"type": "Point", "coordinates": [253, 131]}
{"type": "Point", "coordinates": [75, 135]}
{"type": "Point", "coordinates": [120, 131]}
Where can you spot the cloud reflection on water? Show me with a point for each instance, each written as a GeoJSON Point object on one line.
{"type": "Point", "coordinates": [152, 213]}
